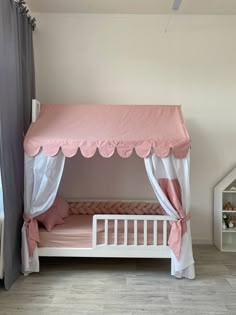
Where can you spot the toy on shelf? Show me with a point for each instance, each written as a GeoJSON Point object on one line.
{"type": "Point", "coordinates": [229, 206]}
{"type": "Point", "coordinates": [224, 227]}
{"type": "Point", "coordinates": [226, 223]}
{"type": "Point", "coordinates": [229, 222]}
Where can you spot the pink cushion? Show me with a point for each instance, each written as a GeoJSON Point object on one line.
{"type": "Point", "coordinates": [54, 215]}
{"type": "Point", "coordinates": [50, 218]}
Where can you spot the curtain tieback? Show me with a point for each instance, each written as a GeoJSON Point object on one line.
{"type": "Point", "coordinates": [178, 228]}
{"type": "Point", "coordinates": [32, 233]}
{"type": "Point", "coordinates": [183, 221]}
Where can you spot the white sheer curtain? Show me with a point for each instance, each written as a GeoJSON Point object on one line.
{"type": "Point", "coordinates": [42, 178]}
{"type": "Point", "coordinates": [172, 168]}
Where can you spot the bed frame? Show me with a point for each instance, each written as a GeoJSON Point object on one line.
{"type": "Point", "coordinates": [115, 250]}
{"type": "Point", "coordinates": [140, 235]}
{"type": "Point", "coordinates": [119, 250]}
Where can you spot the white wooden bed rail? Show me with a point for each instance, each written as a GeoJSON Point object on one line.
{"type": "Point", "coordinates": [114, 249]}
{"type": "Point", "coordinates": [134, 219]}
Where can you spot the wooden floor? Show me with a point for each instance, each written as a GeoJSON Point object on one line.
{"type": "Point", "coordinates": [126, 287]}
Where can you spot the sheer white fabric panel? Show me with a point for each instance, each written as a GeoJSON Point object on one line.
{"type": "Point", "coordinates": [42, 178]}
{"type": "Point", "coordinates": [170, 167]}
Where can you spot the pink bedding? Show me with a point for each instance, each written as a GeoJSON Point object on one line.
{"type": "Point", "coordinates": [76, 232]}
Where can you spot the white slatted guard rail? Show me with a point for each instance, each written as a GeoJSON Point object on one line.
{"type": "Point", "coordinates": [94, 231]}
{"type": "Point", "coordinates": [130, 228]}
{"type": "Point", "coordinates": [135, 233]}
{"type": "Point", "coordinates": [106, 232]}
{"type": "Point", "coordinates": [164, 233]}
{"type": "Point", "coordinates": [155, 232]}
{"type": "Point", "coordinates": [126, 232]}
{"type": "Point", "coordinates": [115, 232]}
{"type": "Point", "coordinates": [145, 232]}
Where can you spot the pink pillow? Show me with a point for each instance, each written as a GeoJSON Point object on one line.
{"type": "Point", "coordinates": [50, 218]}
{"type": "Point", "coordinates": [62, 207]}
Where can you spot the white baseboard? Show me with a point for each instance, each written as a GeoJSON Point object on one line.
{"type": "Point", "coordinates": [203, 241]}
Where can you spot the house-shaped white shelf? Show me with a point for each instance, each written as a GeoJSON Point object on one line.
{"type": "Point", "coordinates": [225, 209]}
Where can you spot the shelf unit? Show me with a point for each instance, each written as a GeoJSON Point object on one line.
{"type": "Point", "coordinates": [225, 239]}
{"type": "Point", "coordinates": [230, 230]}
{"type": "Point", "coordinates": [229, 211]}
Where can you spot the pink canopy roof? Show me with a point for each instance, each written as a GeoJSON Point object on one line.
{"type": "Point", "coordinates": [108, 127]}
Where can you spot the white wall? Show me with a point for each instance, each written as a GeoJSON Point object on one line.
{"type": "Point", "coordinates": [124, 59]}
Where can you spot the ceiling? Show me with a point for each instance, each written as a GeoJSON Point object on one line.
{"type": "Point", "coordinates": [132, 6]}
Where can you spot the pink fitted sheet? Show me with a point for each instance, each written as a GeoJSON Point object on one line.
{"type": "Point", "coordinates": [76, 232]}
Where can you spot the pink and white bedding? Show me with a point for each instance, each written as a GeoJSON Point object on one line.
{"type": "Point", "coordinates": [76, 232]}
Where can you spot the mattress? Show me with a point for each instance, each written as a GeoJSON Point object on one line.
{"type": "Point", "coordinates": [76, 232]}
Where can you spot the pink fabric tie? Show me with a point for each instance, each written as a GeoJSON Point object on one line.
{"type": "Point", "coordinates": [178, 228]}
{"type": "Point", "coordinates": [32, 233]}
{"type": "Point", "coordinates": [172, 190]}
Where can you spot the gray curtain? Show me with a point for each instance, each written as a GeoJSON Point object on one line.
{"type": "Point", "coordinates": [17, 89]}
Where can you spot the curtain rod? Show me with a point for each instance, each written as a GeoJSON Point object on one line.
{"type": "Point", "coordinates": [24, 9]}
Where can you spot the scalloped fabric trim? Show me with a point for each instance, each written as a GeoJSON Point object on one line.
{"type": "Point", "coordinates": [108, 128]}
{"type": "Point", "coordinates": [107, 149]}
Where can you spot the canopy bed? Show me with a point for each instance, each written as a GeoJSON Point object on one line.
{"type": "Point", "coordinates": [109, 228]}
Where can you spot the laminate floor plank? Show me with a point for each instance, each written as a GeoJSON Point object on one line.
{"type": "Point", "coordinates": [90, 286]}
